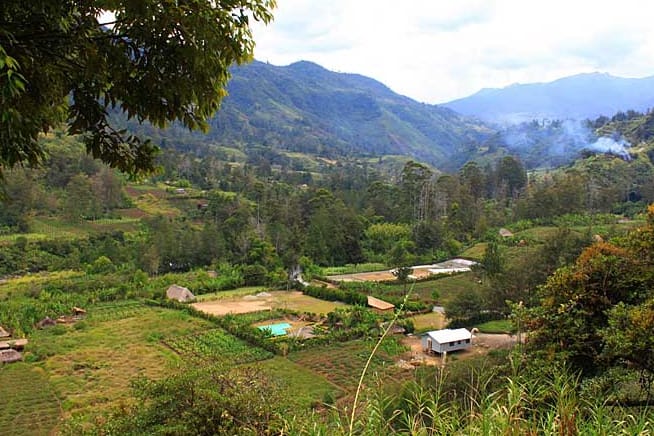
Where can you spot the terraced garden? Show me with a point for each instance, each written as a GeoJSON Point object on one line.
{"type": "Point", "coordinates": [90, 363]}
{"type": "Point", "coordinates": [217, 345]}
{"type": "Point", "coordinates": [28, 404]}
{"type": "Point", "coordinates": [117, 310]}
{"type": "Point", "coordinates": [342, 364]}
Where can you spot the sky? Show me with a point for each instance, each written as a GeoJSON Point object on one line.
{"type": "Point", "coordinates": [435, 51]}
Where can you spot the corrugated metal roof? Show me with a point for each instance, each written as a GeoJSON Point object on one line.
{"type": "Point", "coordinates": [379, 304]}
{"type": "Point", "coordinates": [449, 335]}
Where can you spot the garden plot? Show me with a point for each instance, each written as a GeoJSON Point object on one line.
{"type": "Point", "coordinates": [290, 300]}
{"type": "Point", "coordinates": [28, 404]}
{"type": "Point", "coordinates": [419, 271]}
{"type": "Point", "coordinates": [217, 345]}
{"type": "Point", "coordinates": [341, 364]}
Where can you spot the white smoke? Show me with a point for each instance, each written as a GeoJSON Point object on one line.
{"type": "Point", "coordinates": [564, 139]}
{"type": "Point", "coordinates": [606, 144]}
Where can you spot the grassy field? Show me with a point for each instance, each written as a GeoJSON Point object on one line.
{"type": "Point", "coordinates": [28, 404]}
{"type": "Point", "coordinates": [476, 252]}
{"type": "Point", "coordinates": [497, 326]}
{"type": "Point", "coordinates": [428, 321]}
{"type": "Point", "coordinates": [353, 269]}
{"type": "Point", "coordinates": [305, 303]}
{"type": "Point", "coordinates": [240, 292]}
{"type": "Point", "coordinates": [446, 287]}
{"type": "Point", "coordinates": [90, 363]}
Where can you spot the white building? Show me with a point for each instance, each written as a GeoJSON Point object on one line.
{"type": "Point", "coordinates": [446, 340]}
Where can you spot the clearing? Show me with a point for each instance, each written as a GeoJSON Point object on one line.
{"type": "Point", "coordinates": [291, 300]}
{"type": "Point", "coordinates": [419, 272]}
{"type": "Point", "coordinates": [481, 344]}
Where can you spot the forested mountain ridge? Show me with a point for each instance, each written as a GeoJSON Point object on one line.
{"type": "Point", "coordinates": [306, 108]}
{"type": "Point", "coordinates": [577, 97]}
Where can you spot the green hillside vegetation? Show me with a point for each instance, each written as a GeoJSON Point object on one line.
{"type": "Point", "coordinates": [306, 108]}
{"type": "Point", "coordinates": [76, 233]}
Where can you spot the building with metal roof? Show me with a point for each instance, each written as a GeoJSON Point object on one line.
{"type": "Point", "coordinates": [446, 340]}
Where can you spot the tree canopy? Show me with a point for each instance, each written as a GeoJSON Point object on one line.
{"type": "Point", "coordinates": [156, 61]}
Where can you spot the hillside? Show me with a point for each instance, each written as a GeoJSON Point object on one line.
{"type": "Point", "coordinates": [306, 108]}
{"type": "Point", "coordinates": [578, 97]}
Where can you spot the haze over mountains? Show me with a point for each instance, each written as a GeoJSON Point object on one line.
{"type": "Point", "coordinates": [306, 108]}
{"type": "Point", "coordinates": [583, 96]}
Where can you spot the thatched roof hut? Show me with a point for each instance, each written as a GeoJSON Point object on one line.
{"type": "Point", "coordinates": [10, 356]}
{"type": "Point", "coordinates": [46, 322]}
{"type": "Point", "coordinates": [16, 344]}
{"type": "Point", "coordinates": [179, 293]}
{"type": "Point", "coordinates": [505, 233]}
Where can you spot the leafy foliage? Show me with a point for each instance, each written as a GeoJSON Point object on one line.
{"type": "Point", "coordinates": [155, 61]}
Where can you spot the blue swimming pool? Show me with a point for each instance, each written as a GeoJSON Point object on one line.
{"type": "Point", "coordinates": [279, 329]}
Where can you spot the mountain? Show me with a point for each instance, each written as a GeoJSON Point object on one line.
{"type": "Point", "coordinates": [583, 96]}
{"type": "Point", "coordinates": [305, 108]}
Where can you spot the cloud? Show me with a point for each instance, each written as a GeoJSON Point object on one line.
{"type": "Point", "coordinates": [438, 50]}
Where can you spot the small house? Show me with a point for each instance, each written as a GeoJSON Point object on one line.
{"type": "Point", "coordinates": [446, 340]}
{"type": "Point", "coordinates": [46, 322]}
{"type": "Point", "coordinates": [10, 356]}
{"type": "Point", "coordinates": [505, 233]}
{"type": "Point", "coordinates": [380, 305]}
{"type": "Point", "coordinates": [179, 293]}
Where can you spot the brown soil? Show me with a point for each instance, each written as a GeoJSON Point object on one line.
{"type": "Point", "coordinates": [218, 307]}
{"type": "Point", "coordinates": [377, 276]}
{"type": "Point", "coordinates": [481, 344]}
{"type": "Point", "coordinates": [246, 304]}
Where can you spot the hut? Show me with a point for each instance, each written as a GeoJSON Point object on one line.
{"type": "Point", "coordinates": [16, 344]}
{"type": "Point", "coordinates": [505, 233]}
{"type": "Point", "coordinates": [46, 322]}
{"type": "Point", "coordinates": [78, 311]}
{"type": "Point", "coordinates": [446, 340]}
{"type": "Point", "coordinates": [10, 356]}
{"type": "Point", "coordinates": [380, 305]}
{"type": "Point", "coordinates": [179, 293]}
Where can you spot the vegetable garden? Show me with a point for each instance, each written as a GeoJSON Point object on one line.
{"type": "Point", "coordinates": [217, 345]}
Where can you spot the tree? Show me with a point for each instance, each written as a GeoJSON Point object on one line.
{"type": "Point", "coordinates": [156, 61]}
{"type": "Point", "coordinates": [576, 301]}
{"type": "Point", "coordinates": [198, 399]}
{"type": "Point", "coordinates": [629, 337]}
{"type": "Point", "coordinates": [512, 175]}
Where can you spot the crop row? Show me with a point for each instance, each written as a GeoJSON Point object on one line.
{"type": "Point", "coordinates": [217, 344]}
{"type": "Point", "coordinates": [115, 311]}
{"type": "Point", "coordinates": [28, 405]}
{"type": "Point", "coordinates": [343, 365]}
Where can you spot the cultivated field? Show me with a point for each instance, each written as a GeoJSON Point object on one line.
{"type": "Point", "coordinates": [28, 404]}
{"type": "Point", "coordinates": [291, 300]}
{"type": "Point", "coordinates": [342, 364]}
{"type": "Point", "coordinates": [419, 272]}
{"type": "Point", "coordinates": [89, 364]}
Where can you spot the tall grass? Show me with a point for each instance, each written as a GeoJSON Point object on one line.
{"type": "Point", "coordinates": [548, 403]}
